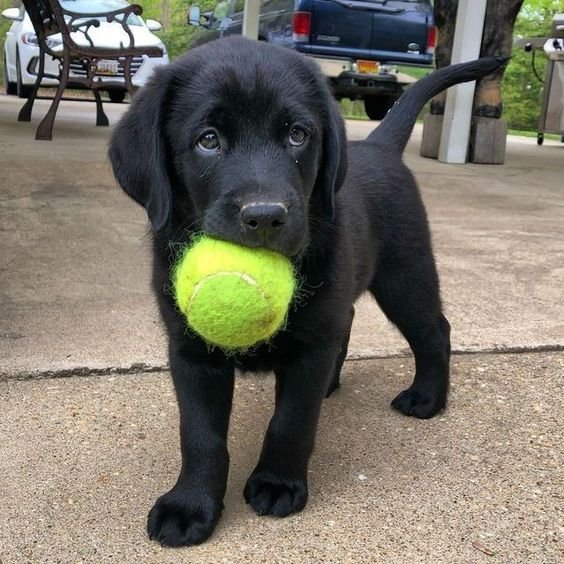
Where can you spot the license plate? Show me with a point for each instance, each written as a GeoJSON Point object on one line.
{"type": "Point", "coordinates": [368, 67]}
{"type": "Point", "coordinates": [107, 68]}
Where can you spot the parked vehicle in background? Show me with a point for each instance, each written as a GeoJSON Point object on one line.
{"type": "Point", "coordinates": [358, 43]}
{"type": "Point", "coordinates": [21, 50]}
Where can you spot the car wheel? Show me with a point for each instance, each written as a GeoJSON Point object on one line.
{"type": "Point", "coordinates": [117, 96]}
{"type": "Point", "coordinates": [378, 106]}
{"type": "Point", "coordinates": [22, 90]}
{"type": "Point", "coordinates": [10, 87]}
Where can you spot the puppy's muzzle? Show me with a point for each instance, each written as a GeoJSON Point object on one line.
{"type": "Point", "coordinates": [263, 221]}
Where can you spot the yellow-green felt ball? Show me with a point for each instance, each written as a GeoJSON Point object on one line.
{"type": "Point", "coordinates": [234, 297]}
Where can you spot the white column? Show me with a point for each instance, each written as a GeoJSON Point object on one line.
{"type": "Point", "coordinates": [251, 19]}
{"type": "Point", "coordinates": [458, 108]}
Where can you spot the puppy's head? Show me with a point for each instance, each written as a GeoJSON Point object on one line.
{"type": "Point", "coordinates": [238, 139]}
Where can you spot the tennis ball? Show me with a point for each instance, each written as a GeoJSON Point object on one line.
{"type": "Point", "coordinates": [233, 296]}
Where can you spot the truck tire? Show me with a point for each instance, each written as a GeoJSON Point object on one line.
{"type": "Point", "coordinates": [116, 96]}
{"type": "Point", "coordinates": [377, 107]}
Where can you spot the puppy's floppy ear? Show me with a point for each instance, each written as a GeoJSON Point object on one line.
{"type": "Point", "coordinates": [137, 150]}
{"type": "Point", "coordinates": [333, 166]}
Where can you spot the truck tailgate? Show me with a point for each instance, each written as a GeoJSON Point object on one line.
{"type": "Point", "coordinates": [372, 29]}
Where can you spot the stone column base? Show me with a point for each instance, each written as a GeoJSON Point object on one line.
{"type": "Point", "coordinates": [487, 139]}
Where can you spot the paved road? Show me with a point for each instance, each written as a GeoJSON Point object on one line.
{"type": "Point", "coordinates": [77, 254]}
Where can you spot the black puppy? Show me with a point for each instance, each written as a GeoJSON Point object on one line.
{"type": "Point", "coordinates": [243, 141]}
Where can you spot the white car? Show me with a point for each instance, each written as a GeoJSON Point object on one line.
{"type": "Point", "coordinates": [21, 51]}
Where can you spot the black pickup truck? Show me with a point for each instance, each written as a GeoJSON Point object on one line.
{"type": "Point", "coordinates": [357, 43]}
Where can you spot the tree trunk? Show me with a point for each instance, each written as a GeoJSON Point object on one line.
{"type": "Point", "coordinates": [165, 14]}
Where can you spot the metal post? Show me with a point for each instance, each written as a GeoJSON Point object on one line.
{"type": "Point", "coordinates": [458, 108]}
{"type": "Point", "coordinates": [251, 19]}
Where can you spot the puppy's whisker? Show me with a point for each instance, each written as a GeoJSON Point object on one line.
{"type": "Point", "coordinates": [181, 237]}
{"type": "Point", "coordinates": [206, 173]}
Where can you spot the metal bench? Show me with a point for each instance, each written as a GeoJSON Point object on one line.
{"type": "Point", "coordinates": [50, 18]}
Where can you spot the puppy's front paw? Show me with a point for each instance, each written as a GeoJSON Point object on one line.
{"type": "Point", "coordinates": [419, 403]}
{"type": "Point", "coordinates": [271, 494]}
{"type": "Point", "coordinates": [183, 519]}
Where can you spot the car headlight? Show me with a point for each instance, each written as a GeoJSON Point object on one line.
{"type": "Point", "coordinates": [31, 39]}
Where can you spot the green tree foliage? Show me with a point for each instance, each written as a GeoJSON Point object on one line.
{"type": "Point", "coordinates": [522, 92]}
{"type": "Point", "coordinates": [174, 35]}
{"type": "Point", "coordinates": [4, 27]}
{"type": "Point", "coordinates": [178, 35]}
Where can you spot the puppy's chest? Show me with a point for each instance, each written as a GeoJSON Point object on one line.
{"type": "Point", "coordinates": [258, 361]}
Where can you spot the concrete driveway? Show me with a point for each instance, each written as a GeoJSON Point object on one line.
{"type": "Point", "coordinates": [83, 457]}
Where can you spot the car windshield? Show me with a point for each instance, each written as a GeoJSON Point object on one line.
{"type": "Point", "coordinates": [93, 6]}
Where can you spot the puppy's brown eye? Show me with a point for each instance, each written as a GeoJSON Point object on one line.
{"type": "Point", "coordinates": [209, 142]}
{"type": "Point", "coordinates": [297, 136]}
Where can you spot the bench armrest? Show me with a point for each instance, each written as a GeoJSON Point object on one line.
{"type": "Point", "coordinates": [86, 25]}
{"type": "Point", "coordinates": [87, 20]}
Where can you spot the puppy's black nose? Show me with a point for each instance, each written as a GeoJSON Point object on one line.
{"type": "Point", "coordinates": [264, 218]}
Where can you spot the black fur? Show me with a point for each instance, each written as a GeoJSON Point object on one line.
{"type": "Point", "coordinates": [346, 233]}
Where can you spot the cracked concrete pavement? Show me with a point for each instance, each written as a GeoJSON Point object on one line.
{"type": "Point", "coordinates": [83, 457]}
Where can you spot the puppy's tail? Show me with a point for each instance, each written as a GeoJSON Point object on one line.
{"type": "Point", "coordinates": [396, 127]}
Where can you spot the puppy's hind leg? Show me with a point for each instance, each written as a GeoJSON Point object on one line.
{"type": "Point", "coordinates": [335, 381]}
{"type": "Point", "coordinates": [407, 290]}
